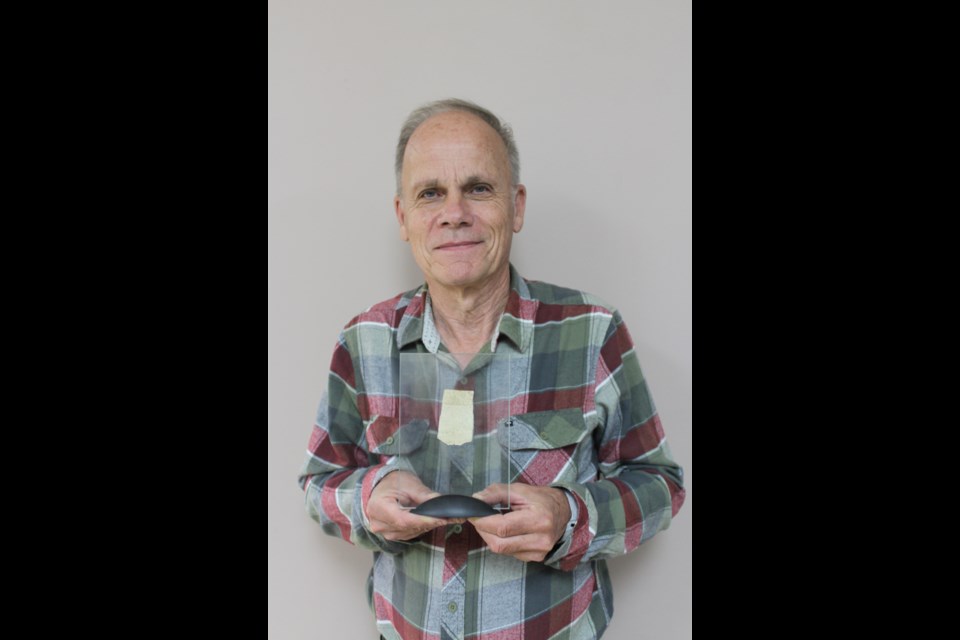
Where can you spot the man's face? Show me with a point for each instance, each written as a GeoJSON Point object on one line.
{"type": "Point", "coordinates": [457, 208]}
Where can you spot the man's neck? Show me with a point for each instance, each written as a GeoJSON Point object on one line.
{"type": "Point", "coordinates": [467, 317]}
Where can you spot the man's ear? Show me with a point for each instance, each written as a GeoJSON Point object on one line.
{"type": "Point", "coordinates": [519, 206]}
{"type": "Point", "coordinates": [401, 218]}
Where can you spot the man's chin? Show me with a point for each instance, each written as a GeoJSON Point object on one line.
{"type": "Point", "coordinates": [458, 276]}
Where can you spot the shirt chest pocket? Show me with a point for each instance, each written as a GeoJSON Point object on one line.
{"type": "Point", "coordinates": [546, 447]}
{"type": "Point", "coordinates": [386, 437]}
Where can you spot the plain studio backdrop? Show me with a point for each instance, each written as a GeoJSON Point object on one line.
{"type": "Point", "coordinates": [599, 96]}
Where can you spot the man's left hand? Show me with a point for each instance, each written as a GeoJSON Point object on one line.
{"type": "Point", "coordinates": [535, 523]}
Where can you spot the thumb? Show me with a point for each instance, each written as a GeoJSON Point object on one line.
{"type": "Point", "coordinates": [493, 494]}
{"type": "Point", "coordinates": [423, 493]}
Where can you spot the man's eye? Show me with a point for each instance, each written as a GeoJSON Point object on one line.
{"type": "Point", "coordinates": [429, 194]}
{"type": "Point", "coordinates": [481, 188]}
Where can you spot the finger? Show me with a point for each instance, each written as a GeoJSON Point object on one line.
{"type": "Point", "coordinates": [407, 520]}
{"type": "Point", "coordinates": [493, 494]}
{"type": "Point", "coordinates": [531, 556]}
{"type": "Point", "coordinates": [420, 497]}
{"type": "Point", "coordinates": [392, 531]}
{"type": "Point", "coordinates": [387, 508]}
{"type": "Point", "coordinates": [377, 527]}
{"type": "Point", "coordinates": [402, 535]}
{"type": "Point", "coordinates": [385, 530]}
{"type": "Point", "coordinates": [528, 545]}
{"type": "Point", "coordinates": [390, 513]}
{"type": "Point", "coordinates": [507, 525]}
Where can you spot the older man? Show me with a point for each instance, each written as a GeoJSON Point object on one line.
{"type": "Point", "coordinates": [595, 480]}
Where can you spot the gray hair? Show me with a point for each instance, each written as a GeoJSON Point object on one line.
{"type": "Point", "coordinates": [427, 111]}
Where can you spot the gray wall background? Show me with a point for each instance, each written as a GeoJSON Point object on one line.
{"type": "Point", "coordinates": [599, 95]}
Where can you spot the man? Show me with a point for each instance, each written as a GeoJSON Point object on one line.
{"type": "Point", "coordinates": [595, 477]}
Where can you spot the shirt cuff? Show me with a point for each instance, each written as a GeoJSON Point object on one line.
{"type": "Point", "coordinates": [563, 544]}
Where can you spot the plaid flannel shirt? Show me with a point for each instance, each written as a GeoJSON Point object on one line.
{"type": "Point", "coordinates": [591, 428]}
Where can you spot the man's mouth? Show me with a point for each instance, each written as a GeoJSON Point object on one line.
{"type": "Point", "coordinates": [459, 245]}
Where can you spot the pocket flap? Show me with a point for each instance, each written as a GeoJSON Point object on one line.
{"type": "Point", "coordinates": [544, 430]}
{"type": "Point", "coordinates": [385, 436]}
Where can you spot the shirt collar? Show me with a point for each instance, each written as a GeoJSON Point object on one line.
{"type": "Point", "coordinates": [516, 323]}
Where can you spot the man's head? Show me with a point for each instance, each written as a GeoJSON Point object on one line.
{"type": "Point", "coordinates": [458, 198]}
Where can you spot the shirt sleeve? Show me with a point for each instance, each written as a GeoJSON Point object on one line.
{"type": "Point", "coordinates": [338, 474]}
{"type": "Point", "coordinates": [640, 488]}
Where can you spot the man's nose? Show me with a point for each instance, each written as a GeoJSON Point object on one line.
{"type": "Point", "coordinates": [456, 212]}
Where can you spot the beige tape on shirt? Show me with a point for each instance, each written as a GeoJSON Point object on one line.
{"type": "Point", "coordinates": [456, 417]}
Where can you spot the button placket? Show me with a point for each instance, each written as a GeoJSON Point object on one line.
{"type": "Point", "coordinates": [452, 611]}
{"type": "Point", "coordinates": [453, 593]}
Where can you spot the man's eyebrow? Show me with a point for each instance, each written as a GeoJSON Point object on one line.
{"type": "Point", "coordinates": [433, 183]}
{"type": "Point", "coordinates": [475, 179]}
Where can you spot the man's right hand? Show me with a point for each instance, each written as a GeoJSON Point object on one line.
{"type": "Point", "coordinates": [389, 520]}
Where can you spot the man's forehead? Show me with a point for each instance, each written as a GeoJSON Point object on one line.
{"type": "Point", "coordinates": [455, 130]}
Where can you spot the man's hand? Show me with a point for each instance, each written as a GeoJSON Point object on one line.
{"type": "Point", "coordinates": [534, 525]}
{"type": "Point", "coordinates": [388, 519]}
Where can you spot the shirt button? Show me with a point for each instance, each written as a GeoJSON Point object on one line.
{"type": "Point", "coordinates": [452, 607]}
{"type": "Point", "coordinates": [389, 440]}
{"type": "Point", "coordinates": [464, 381]}
{"type": "Point", "coordinates": [457, 528]}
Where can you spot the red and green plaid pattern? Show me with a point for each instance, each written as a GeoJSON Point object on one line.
{"type": "Point", "coordinates": [584, 421]}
